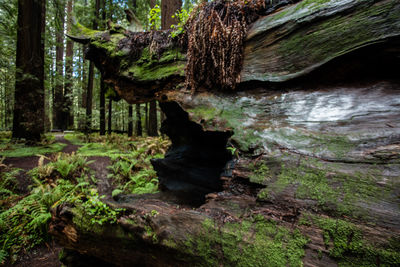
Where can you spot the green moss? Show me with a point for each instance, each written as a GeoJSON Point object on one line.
{"type": "Point", "coordinates": [156, 72]}
{"type": "Point", "coordinates": [110, 46]}
{"type": "Point", "coordinates": [85, 31]}
{"type": "Point", "coordinates": [260, 173]}
{"type": "Point", "coordinates": [149, 67]}
{"type": "Point", "coordinates": [22, 150]}
{"type": "Point", "coordinates": [332, 191]}
{"type": "Point", "coordinates": [254, 242]}
{"type": "Point", "coordinates": [346, 243]}
{"type": "Point", "coordinates": [228, 115]}
{"type": "Point", "coordinates": [311, 4]}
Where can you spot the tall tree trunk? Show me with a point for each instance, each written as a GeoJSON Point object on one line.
{"type": "Point", "coordinates": [109, 115]}
{"type": "Point", "coordinates": [102, 107]}
{"type": "Point", "coordinates": [146, 117]}
{"type": "Point", "coordinates": [102, 85]}
{"type": "Point", "coordinates": [168, 9]}
{"type": "Point", "coordinates": [84, 90]}
{"type": "Point", "coordinates": [153, 131]}
{"type": "Point", "coordinates": [130, 120]}
{"type": "Point", "coordinates": [68, 96]}
{"type": "Point", "coordinates": [138, 121]}
{"type": "Point", "coordinates": [28, 119]}
{"type": "Point", "coordinates": [89, 93]}
{"type": "Point", "coordinates": [58, 105]}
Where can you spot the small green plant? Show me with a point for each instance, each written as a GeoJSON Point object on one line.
{"type": "Point", "coordinates": [64, 166]}
{"type": "Point", "coordinates": [182, 16]}
{"type": "Point", "coordinates": [99, 212]}
{"type": "Point", "coordinates": [155, 18]}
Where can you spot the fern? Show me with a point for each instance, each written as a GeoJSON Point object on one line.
{"type": "Point", "coordinates": [25, 224]}
{"type": "Point", "coordinates": [3, 256]}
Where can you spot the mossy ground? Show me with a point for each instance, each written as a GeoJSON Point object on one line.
{"type": "Point", "coordinates": [9, 148]}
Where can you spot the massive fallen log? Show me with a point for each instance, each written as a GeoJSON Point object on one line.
{"type": "Point", "coordinates": [313, 126]}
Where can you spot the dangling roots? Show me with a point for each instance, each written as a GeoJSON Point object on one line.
{"type": "Point", "coordinates": [216, 33]}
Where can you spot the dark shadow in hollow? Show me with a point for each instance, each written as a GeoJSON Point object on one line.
{"type": "Point", "coordinates": [193, 164]}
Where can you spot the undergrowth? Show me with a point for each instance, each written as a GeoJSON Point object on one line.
{"type": "Point", "coordinates": [133, 172]}
{"type": "Point", "coordinates": [61, 166]}
{"type": "Point", "coordinates": [67, 178]}
{"type": "Point", "coordinates": [8, 185]}
{"type": "Point", "coordinates": [25, 224]}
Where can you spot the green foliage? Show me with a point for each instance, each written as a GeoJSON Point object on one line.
{"type": "Point", "coordinates": [25, 224]}
{"type": "Point", "coordinates": [76, 138]}
{"type": "Point", "coordinates": [132, 171]}
{"type": "Point", "coordinates": [155, 18]}
{"type": "Point", "coordinates": [99, 212]}
{"type": "Point", "coordinates": [182, 16]}
{"type": "Point", "coordinates": [64, 166]}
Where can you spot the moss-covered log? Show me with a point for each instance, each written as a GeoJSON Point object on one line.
{"type": "Point", "coordinates": [314, 173]}
{"type": "Point", "coordinates": [287, 44]}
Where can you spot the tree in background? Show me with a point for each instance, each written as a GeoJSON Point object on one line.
{"type": "Point", "coordinates": [58, 101]}
{"type": "Point", "coordinates": [8, 38]}
{"type": "Point", "coordinates": [102, 85]}
{"type": "Point", "coordinates": [28, 119]}
{"type": "Point", "coordinates": [68, 101]}
{"type": "Point", "coordinates": [89, 91]}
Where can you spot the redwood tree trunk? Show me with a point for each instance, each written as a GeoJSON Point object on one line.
{"type": "Point", "coordinates": [58, 105]}
{"type": "Point", "coordinates": [28, 120]}
{"type": "Point", "coordinates": [89, 93]}
{"type": "Point", "coordinates": [68, 112]}
{"type": "Point", "coordinates": [102, 85]}
{"type": "Point", "coordinates": [130, 122]}
{"type": "Point", "coordinates": [152, 130]}
{"type": "Point", "coordinates": [102, 108]}
{"type": "Point", "coordinates": [109, 115]}
{"type": "Point", "coordinates": [138, 121]}
{"type": "Point", "coordinates": [168, 8]}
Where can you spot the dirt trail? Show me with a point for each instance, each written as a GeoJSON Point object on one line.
{"type": "Point", "coordinates": [30, 162]}
{"type": "Point", "coordinates": [47, 254]}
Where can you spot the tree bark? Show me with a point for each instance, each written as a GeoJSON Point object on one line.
{"type": "Point", "coordinates": [109, 115]}
{"type": "Point", "coordinates": [102, 85]}
{"type": "Point", "coordinates": [58, 117]}
{"type": "Point", "coordinates": [152, 130]}
{"type": "Point", "coordinates": [68, 98]}
{"type": "Point", "coordinates": [102, 107]}
{"type": "Point", "coordinates": [130, 120]}
{"type": "Point", "coordinates": [168, 8]}
{"type": "Point", "coordinates": [138, 121]}
{"type": "Point", "coordinates": [28, 119]}
{"type": "Point", "coordinates": [89, 93]}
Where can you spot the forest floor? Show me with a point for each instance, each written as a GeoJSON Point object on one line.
{"type": "Point", "coordinates": [46, 254]}
{"type": "Point", "coordinates": [106, 165]}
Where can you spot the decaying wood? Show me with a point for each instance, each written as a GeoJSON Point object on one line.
{"type": "Point", "coordinates": [313, 172]}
